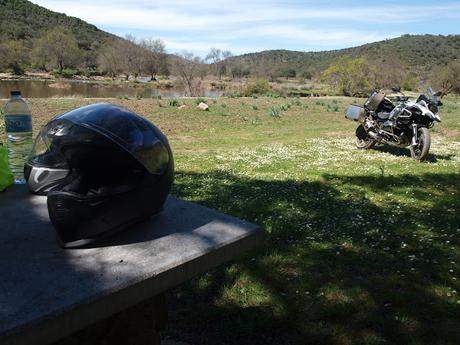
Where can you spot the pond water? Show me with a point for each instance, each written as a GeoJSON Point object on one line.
{"type": "Point", "coordinates": [73, 88]}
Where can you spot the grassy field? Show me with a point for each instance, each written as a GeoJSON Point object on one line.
{"type": "Point", "coordinates": [362, 246]}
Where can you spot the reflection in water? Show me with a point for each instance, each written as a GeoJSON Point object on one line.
{"type": "Point", "coordinates": [41, 89]}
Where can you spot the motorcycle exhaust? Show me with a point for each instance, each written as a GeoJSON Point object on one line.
{"type": "Point", "coordinates": [373, 135]}
{"type": "Point", "coordinates": [376, 137]}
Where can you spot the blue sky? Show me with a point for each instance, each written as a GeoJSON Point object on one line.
{"type": "Point", "coordinates": [249, 26]}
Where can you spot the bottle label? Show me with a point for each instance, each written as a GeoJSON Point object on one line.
{"type": "Point", "coordinates": [18, 123]}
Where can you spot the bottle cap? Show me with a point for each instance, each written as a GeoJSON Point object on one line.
{"type": "Point", "coordinates": [15, 93]}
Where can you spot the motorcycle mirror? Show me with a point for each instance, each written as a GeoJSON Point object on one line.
{"type": "Point", "coordinates": [396, 88]}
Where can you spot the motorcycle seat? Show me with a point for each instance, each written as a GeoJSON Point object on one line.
{"type": "Point", "coordinates": [383, 115]}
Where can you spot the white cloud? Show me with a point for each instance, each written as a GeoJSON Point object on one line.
{"type": "Point", "coordinates": [198, 25]}
{"type": "Point", "coordinates": [306, 35]}
{"type": "Point", "coordinates": [198, 15]}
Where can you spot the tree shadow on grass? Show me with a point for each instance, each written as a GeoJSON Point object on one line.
{"type": "Point", "coordinates": [336, 268]}
{"type": "Point", "coordinates": [399, 151]}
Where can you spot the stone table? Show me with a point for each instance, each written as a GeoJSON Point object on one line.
{"type": "Point", "coordinates": [47, 293]}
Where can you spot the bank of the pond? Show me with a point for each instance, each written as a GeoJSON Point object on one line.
{"type": "Point", "coordinates": [36, 88]}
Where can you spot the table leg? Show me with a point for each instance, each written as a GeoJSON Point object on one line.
{"type": "Point", "coordinates": [140, 324]}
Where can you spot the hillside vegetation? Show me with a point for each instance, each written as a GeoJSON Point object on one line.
{"type": "Point", "coordinates": [22, 20]}
{"type": "Point", "coordinates": [419, 53]}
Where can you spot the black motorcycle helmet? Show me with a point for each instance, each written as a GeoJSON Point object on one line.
{"type": "Point", "coordinates": [103, 168]}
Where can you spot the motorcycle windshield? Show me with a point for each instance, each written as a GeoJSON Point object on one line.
{"type": "Point", "coordinates": [432, 95]}
{"type": "Point", "coordinates": [132, 132]}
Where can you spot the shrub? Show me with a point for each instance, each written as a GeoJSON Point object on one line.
{"type": "Point", "coordinates": [288, 73]}
{"type": "Point", "coordinates": [297, 102]}
{"type": "Point", "coordinates": [254, 107]}
{"type": "Point", "coordinates": [306, 74]}
{"type": "Point", "coordinates": [410, 82]}
{"type": "Point", "coordinates": [65, 73]}
{"type": "Point", "coordinates": [274, 112]}
{"type": "Point", "coordinates": [256, 121]}
{"type": "Point", "coordinates": [258, 87]}
{"type": "Point", "coordinates": [174, 102]}
{"type": "Point", "coordinates": [233, 94]}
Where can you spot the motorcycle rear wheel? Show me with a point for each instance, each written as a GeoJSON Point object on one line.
{"type": "Point", "coordinates": [420, 151]}
{"type": "Point", "coordinates": [363, 142]}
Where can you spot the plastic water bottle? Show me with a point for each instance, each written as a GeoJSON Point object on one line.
{"type": "Point", "coordinates": [18, 123]}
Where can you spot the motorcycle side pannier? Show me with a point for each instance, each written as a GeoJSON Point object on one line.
{"type": "Point", "coordinates": [355, 113]}
{"type": "Point", "coordinates": [374, 100]}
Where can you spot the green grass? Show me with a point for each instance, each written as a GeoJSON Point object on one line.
{"type": "Point", "coordinates": [362, 247]}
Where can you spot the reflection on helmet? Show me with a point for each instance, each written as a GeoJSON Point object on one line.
{"type": "Point", "coordinates": [103, 169]}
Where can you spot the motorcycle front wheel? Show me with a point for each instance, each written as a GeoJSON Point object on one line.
{"type": "Point", "coordinates": [420, 151]}
{"type": "Point", "coordinates": [363, 142]}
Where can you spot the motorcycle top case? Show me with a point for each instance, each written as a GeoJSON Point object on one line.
{"type": "Point", "coordinates": [355, 113]}
{"type": "Point", "coordinates": [374, 100]}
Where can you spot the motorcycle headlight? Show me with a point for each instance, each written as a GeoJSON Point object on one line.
{"type": "Point", "coordinates": [433, 108]}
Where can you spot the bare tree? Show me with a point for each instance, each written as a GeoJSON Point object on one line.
{"type": "Point", "coordinates": [188, 69]}
{"type": "Point", "coordinates": [215, 56]}
{"type": "Point", "coordinates": [226, 61]}
{"type": "Point", "coordinates": [132, 56]}
{"type": "Point", "coordinates": [266, 68]}
{"type": "Point", "coordinates": [389, 71]}
{"type": "Point", "coordinates": [109, 59]}
{"type": "Point", "coordinates": [154, 56]}
{"type": "Point", "coordinates": [447, 78]}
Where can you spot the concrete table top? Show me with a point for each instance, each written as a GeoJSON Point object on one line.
{"type": "Point", "coordinates": [47, 292]}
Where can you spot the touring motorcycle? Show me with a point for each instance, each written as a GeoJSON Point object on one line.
{"type": "Point", "coordinates": [403, 124]}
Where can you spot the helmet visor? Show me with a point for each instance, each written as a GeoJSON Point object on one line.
{"type": "Point", "coordinates": [135, 134]}
{"type": "Point", "coordinates": [45, 152]}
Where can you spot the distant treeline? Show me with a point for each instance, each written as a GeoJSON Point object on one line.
{"type": "Point", "coordinates": [33, 38]}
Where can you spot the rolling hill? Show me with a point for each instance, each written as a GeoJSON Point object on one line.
{"type": "Point", "coordinates": [21, 19]}
{"type": "Point", "coordinates": [419, 53]}
{"type": "Point", "coordinates": [25, 21]}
